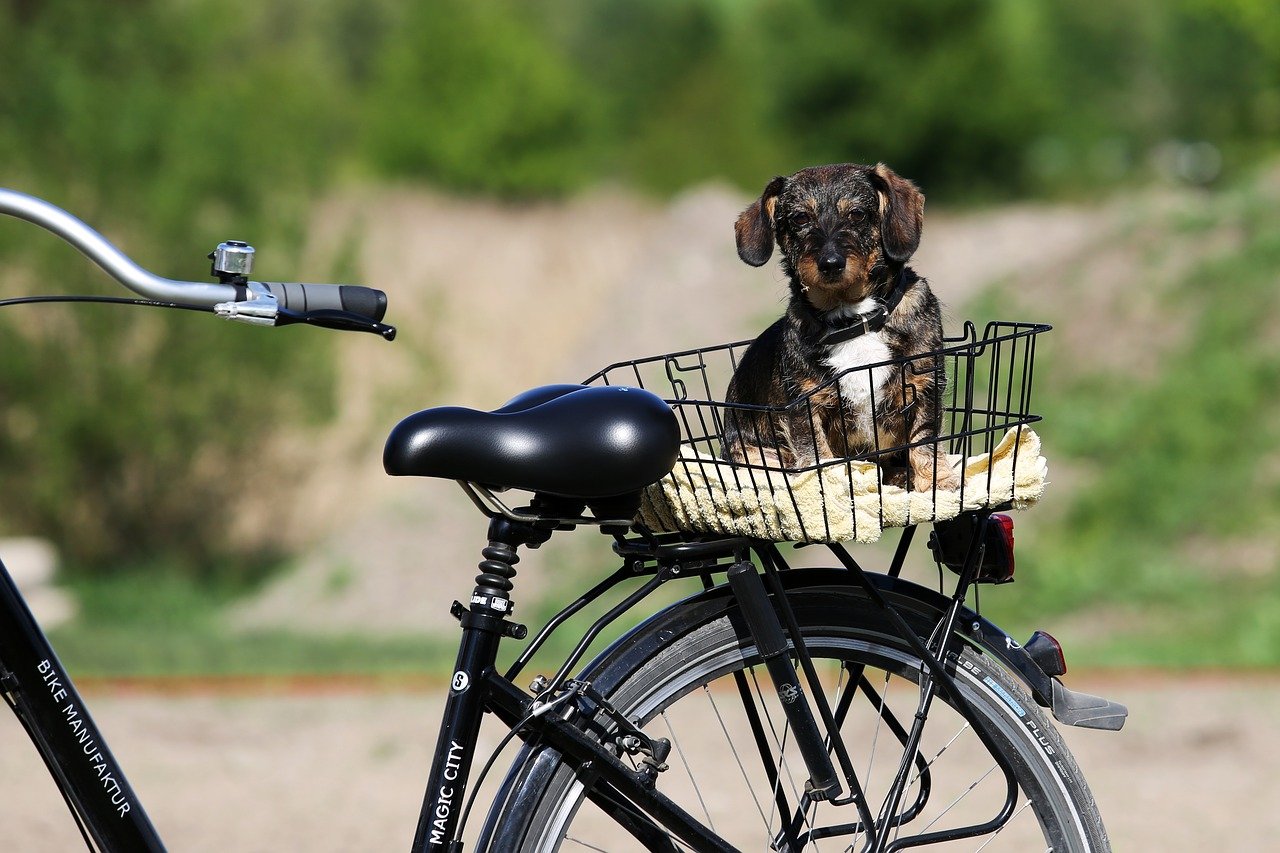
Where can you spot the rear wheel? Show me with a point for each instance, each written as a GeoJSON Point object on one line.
{"type": "Point", "coordinates": [684, 677]}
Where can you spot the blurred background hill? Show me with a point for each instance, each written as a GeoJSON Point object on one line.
{"type": "Point", "coordinates": [545, 188]}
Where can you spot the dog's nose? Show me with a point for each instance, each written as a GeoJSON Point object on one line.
{"type": "Point", "coordinates": [830, 262]}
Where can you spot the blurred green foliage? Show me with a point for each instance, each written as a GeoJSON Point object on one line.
{"type": "Point", "coordinates": [1168, 535]}
{"type": "Point", "coordinates": [128, 435]}
{"type": "Point", "coordinates": [174, 125]}
{"type": "Point", "coordinates": [973, 98]}
{"type": "Point", "coordinates": [473, 95]}
{"type": "Point", "coordinates": [210, 99]}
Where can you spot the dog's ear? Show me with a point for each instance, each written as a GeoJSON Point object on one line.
{"type": "Point", "coordinates": [754, 228]}
{"type": "Point", "coordinates": [901, 213]}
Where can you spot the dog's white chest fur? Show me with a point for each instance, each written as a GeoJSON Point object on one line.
{"type": "Point", "coordinates": [858, 386]}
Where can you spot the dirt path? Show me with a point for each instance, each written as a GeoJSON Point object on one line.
{"type": "Point", "coordinates": [343, 771]}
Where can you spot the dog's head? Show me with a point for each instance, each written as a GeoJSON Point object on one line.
{"type": "Point", "coordinates": [842, 229]}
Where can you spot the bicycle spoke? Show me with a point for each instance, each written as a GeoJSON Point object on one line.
{"type": "Point", "coordinates": [783, 768]}
{"type": "Point", "coordinates": [1012, 817]}
{"type": "Point", "coordinates": [681, 844]}
{"type": "Point", "coordinates": [884, 698]}
{"type": "Point", "coordinates": [732, 748]}
{"type": "Point", "coordinates": [688, 771]}
{"type": "Point", "coordinates": [835, 699]}
{"type": "Point", "coordinates": [975, 783]}
{"type": "Point", "coordinates": [777, 781]}
{"type": "Point", "coordinates": [779, 742]}
{"type": "Point", "coordinates": [875, 736]}
{"type": "Point", "coordinates": [751, 711]}
{"type": "Point", "coordinates": [928, 764]}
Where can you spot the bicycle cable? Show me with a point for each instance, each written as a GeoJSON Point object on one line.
{"type": "Point", "coordinates": [538, 711]}
{"type": "Point", "coordinates": [53, 771]}
{"type": "Point", "coordinates": [110, 300]}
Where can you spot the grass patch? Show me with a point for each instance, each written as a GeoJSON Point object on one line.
{"type": "Point", "coordinates": [1181, 469]}
{"type": "Point", "coordinates": [149, 622]}
{"type": "Point", "coordinates": [158, 623]}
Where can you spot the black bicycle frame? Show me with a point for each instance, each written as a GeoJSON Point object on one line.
{"type": "Point", "coordinates": [37, 688]}
{"type": "Point", "coordinates": [51, 711]}
{"type": "Point", "coordinates": [476, 686]}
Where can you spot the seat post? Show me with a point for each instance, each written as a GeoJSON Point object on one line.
{"type": "Point", "coordinates": [493, 584]}
{"type": "Point", "coordinates": [484, 623]}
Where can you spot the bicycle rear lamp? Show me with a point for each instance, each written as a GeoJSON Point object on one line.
{"type": "Point", "coordinates": [951, 541]}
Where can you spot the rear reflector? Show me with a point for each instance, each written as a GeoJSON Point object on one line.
{"type": "Point", "coordinates": [1002, 527]}
{"type": "Point", "coordinates": [1047, 653]}
{"type": "Point", "coordinates": [952, 540]}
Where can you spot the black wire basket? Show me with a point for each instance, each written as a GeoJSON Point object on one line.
{"type": "Point", "coordinates": [757, 484]}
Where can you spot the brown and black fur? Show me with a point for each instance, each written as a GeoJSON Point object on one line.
{"type": "Point", "coordinates": [845, 233]}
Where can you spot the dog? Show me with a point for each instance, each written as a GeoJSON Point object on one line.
{"type": "Point", "coordinates": [845, 233]}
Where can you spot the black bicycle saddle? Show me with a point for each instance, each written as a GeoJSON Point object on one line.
{"type": "Point", "coordinates": [572, 441]}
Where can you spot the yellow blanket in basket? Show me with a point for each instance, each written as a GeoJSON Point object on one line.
{"type": "Point", "coordinates": [835, 503]}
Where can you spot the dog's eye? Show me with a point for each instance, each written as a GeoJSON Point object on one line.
{"type": "Point", "coordinates": [856, 214]}
{"type": "Point", "coordinates": [799, 219]}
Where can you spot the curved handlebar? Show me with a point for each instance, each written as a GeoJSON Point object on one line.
{"type": "Point", "coordinates": [116, 263]}
{"type": "Point", "coordinates": [334, 306]}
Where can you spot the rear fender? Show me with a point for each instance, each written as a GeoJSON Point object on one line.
{"type": "Point", "coordinates": [910, 599]}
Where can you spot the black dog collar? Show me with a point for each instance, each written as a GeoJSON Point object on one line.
{"type": "Point", "coordinates": [868, 322]}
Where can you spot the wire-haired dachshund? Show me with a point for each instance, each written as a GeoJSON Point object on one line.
{"type": "Point", "coordinates": [845, 233]}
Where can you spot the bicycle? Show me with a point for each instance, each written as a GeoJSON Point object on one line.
{"type": "Point", "coordinates": [858, 710]}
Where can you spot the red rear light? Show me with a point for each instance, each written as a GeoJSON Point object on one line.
{"type": "Point", "coordinates": [952, 540]}
{"type": "Point", "coordinates": [999, 567]}
{"type": "Point", "coordinates": [1047, 653]}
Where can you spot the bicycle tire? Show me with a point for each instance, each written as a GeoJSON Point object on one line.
{"type": "Point", "coordinates": [678, 653]}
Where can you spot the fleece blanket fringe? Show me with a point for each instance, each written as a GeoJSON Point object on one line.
{"type": "Point", "coordinates": [838, 502]}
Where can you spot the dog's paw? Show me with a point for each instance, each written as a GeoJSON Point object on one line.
{"type": "Point", "coordinates": [948, 480]}
{"type": "Point", "coordinates": [930, 470]}
{"type": "Point", "coordinates": [763, 457]}
{"type": "Point", "coordinates": [894, 476]}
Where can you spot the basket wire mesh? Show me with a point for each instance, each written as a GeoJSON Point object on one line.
{"type": "Point", "coordinates": [986, 380]}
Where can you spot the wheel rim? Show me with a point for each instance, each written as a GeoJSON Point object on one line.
{"type": "Point", "coordinates": [1052, 821]}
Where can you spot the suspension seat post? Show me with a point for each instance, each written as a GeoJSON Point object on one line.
{"type": "Point", "coordinates": [492, 595]}
{"type": "Point", "coordinates": [484, 624]}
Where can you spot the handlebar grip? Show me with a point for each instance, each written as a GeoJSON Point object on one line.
{"type": "Point", "coordinates": [351, 298]}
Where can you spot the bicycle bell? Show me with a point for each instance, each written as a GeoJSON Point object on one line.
{"type": "Point", "coordinates": [232, 260]}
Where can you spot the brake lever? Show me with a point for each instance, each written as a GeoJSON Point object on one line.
{"type": "Point", "coordinates": [329, 318]}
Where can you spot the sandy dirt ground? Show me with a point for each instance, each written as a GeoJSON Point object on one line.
{"type": "Point", "coordinates": [341, 770]}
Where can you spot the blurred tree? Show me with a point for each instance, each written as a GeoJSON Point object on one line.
{"type": "Point", "coordinates": [469, 94]}
{"type": "Point", "coordinates": [122, 434]}
{"type": "Point", "coordinates": [676, 111]}
{"type": "Point", "coordinates": [927, 85]}
{"type": "Point", "coordinates": [1133, 76]}
{"type": "Point", "coordinates": [174, 125]}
